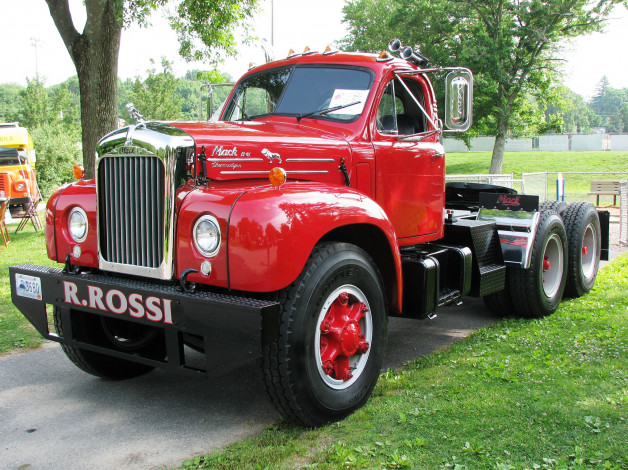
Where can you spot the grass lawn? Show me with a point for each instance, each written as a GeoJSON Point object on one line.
{"type": "Point", "coordinates": [27, 246]}
{"type": "Point", "coordinates": [529, 162]}
{"type": "Point", "coordinates": [521, 394]}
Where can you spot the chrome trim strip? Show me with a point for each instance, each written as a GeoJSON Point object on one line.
{"type": "Point", "coordinates": [309, 160]}
{"type": "Point", "coordinates": [235, 159]}
{"type": "Point", "coordinates": [228, 172]}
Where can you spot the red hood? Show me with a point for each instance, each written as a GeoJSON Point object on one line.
{"type": "Point", "coordinates": [250, 149]}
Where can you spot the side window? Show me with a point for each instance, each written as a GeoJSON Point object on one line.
{"type": "Point", "coordinates": [398, 112]}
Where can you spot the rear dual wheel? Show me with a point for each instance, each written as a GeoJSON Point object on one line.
{"type": "Point", "coordinates": [537, 291]}
{"type": "Point", "coordinates": [584, 239]}
{"type": "Point", "coordinates": [332, 337]}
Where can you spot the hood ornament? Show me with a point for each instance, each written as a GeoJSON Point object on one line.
{"type": "Point", "coordinates": [139, 123]}
{"type": "Point", "coordinates": [271, 156]}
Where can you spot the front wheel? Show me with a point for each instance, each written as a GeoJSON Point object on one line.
{"type": "Point", "coordinates": [115, 334]}
{"type": "Point", "coordinates": [332, 337]}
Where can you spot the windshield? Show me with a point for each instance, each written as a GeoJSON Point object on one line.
{"type": "Point", "coordinates": [305, 91]}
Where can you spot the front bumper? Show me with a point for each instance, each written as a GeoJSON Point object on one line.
{"type": "Point", "coordinates": [156, 305]}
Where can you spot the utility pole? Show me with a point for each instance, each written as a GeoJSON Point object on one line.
{"type": "Point", "coordinates": [272, 23]}
{"type": "Point", "coordinates": [35, 42]}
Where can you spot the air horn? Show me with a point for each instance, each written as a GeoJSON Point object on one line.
{"type": "Point", "coordinates": [408, 53]}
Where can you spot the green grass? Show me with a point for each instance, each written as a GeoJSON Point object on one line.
{"type": "Point", "coordinates": [27, 246]}
{"type": "Point", "coordinates": [529, 162]}
{"type": "Point", "coordinates": [521, 394]}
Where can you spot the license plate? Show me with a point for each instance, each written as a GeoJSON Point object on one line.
{"type": "Point", "coordinates": [28, 286]}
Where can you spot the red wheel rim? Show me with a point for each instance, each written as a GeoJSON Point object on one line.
{"type": "Point", "coordinates": [343, 337]}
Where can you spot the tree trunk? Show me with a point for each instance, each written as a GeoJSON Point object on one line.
{"type": "Point", "coordinates": [497, 160]}
{"type": "Point", "coordinates": [95, 56]}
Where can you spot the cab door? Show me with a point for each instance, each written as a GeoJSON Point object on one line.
{"type": "Point", "coordinates": [410, 161]}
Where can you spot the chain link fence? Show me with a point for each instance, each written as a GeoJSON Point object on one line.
{"type": "Point", "coordinates": [577, 185]}
{"type": "Point", "coordinates": [507, 180]}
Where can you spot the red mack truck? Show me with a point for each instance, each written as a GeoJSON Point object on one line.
{"type": "Point", "coordinates": [317, 207]}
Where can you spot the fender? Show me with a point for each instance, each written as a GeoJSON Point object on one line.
{"type": "Point", "coordinates": [58, 241]}
{"type": "Point", "coordinates": [273, 231]}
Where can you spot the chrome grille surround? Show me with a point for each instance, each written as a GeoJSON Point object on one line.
{"type": "Point", "coordinates": [135, 188]}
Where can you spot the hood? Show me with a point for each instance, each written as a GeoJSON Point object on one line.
{"type": "Point", "coordinates": [251, 149]}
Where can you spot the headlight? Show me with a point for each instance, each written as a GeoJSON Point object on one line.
{"type": "Point", "coordinates": [20, 186]}
{"type": "Point", "coordinates": [207, 235]}
{"type": "Point", "coordinates": [77, 225]}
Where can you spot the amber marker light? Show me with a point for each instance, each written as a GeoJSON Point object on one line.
{"type": "Point", "coordinates": [78, 172]}
{"type": "Point", "coordinates": [277, 177]}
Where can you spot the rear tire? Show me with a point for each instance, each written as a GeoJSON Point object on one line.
{"type": "Point", "coordinates": [557, 206]}
{"type": "Point", "coordinates": [114, 334]}
{"type": "Point", "coordinates": [537, 291]}
{"type": "Point", "coordinates": [332, 337]}
{"type": "Point", "coordinates": [582, 225]}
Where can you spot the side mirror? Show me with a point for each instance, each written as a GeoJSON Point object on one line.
{"type": "Point", "coordinates": [459, 100]}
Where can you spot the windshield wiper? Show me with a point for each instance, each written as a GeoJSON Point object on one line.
{"type": "Point", "coordinates": [326, 111]}
{"type": "Point", "coordinates": [244, 115]}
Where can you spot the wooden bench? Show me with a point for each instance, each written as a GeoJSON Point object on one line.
{"type": "Point", "coordinates": [604, 188]}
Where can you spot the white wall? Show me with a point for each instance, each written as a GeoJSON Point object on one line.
{"type": "Point", "coordinates": [586, 142]}
{"type": "Point", "coordinates": [554, 142]}
{"type": "Point", "coordinates": [482, 144]}
{"type": "Point", "coordinates": [619, 142]}
{"type": "Point", "coordinates": [518, 145]}
{"type": "Point", "coordinates": [454, 145]}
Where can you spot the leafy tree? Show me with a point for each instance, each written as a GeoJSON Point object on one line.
{"type": "Point", "coordinates": [34, 104]}
{"type": "Point", "coordinates": [58, 150]}
{"type": "Point", "coordinates": [9, 101]}
{"type": "Point", "coordinates": [95, 50]}
{"type": "Point", "coordinates": [155, 97]}
{"type": "Point", "coordinates": [573, 112]}
{"type": "Point", "coordinates": [511, 46]}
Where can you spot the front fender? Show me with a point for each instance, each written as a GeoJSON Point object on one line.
{"type": "Point", "coordinates": [273, 231]}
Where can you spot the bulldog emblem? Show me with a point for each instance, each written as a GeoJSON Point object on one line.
{"type": "Point", "coordinates": [271, 156]}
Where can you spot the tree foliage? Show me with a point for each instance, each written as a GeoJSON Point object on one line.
{"type": "Point", "coordinates": [511, 46]}
{"type": "Point", "coordinates": [155, 96]}
{"type": "Point", "coordinates": [203, 27]}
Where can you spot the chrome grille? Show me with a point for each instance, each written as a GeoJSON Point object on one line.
{"type": "Point", "coordinates": [131, 210]}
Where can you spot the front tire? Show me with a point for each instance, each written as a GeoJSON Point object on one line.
{"type": "Point", "coordinates": [332, 337]}
{"type": "Point", "coordinates": [537, 291]}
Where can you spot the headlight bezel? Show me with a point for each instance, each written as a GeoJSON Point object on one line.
{"type": "Point", "coordinates": [80, 211]}
{"type": "Point", "coordinates": [213, 251]}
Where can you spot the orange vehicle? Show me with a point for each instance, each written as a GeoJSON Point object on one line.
{"type": "Point", "coordinates": [18, 181]}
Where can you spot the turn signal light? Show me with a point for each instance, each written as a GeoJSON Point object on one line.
{"type": "Point", "coordinates": [78, 172]}
{"type": "Point", "coordinates": [277, 177]}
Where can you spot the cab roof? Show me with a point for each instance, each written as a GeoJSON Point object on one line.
{"type": "Point", "coordinates": [357, 59]}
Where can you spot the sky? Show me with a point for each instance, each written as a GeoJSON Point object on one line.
{"type": "Point", "coordinates": [31, 44]}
